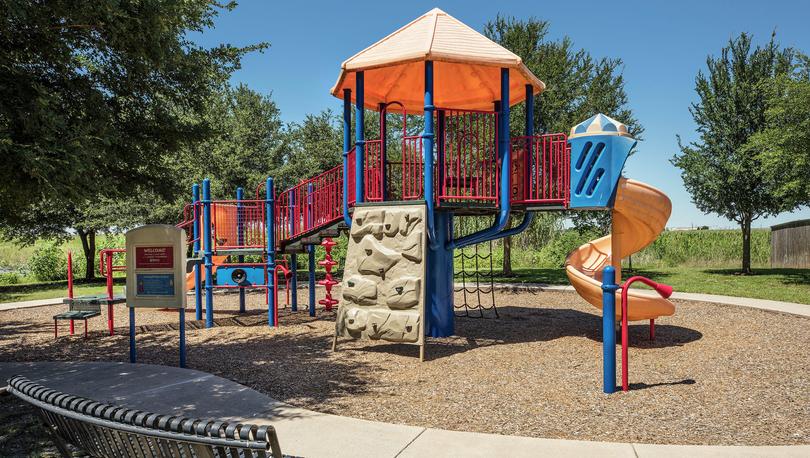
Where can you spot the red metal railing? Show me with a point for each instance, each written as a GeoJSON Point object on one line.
{"type": "Point", "coordinates": [106, 266]}
{"type": "Point", "coordinates": [190, 213]}
{"type": "Point", "coordinates": [412, 168]}
{"type": "Point", "coordinates": [541, 170]}
{"type": "Point", "coordinates": [374, 171]}
{"type": "Point", "coordinates": [237, 224]}
{"type": "Point", "coordinates": [304, 208]}
{"type": "Point", "coordinates": [469, 170]}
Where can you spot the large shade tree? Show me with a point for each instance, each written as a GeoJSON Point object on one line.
{"type": "Point", "coordinates": [724, 175]}
{"type": "Point", "coordinates": [95, 99]}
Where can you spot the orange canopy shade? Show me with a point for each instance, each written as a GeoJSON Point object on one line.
{"type": "Point", "coordinates": [466, 69]}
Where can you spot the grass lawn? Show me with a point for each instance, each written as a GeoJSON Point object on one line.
{"type": "Point", "coordinates": [790, 285]}
{"type": "Point", "coordinates": [30, 292]}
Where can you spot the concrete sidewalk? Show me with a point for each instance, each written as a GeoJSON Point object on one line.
{"type": "Point", "coordinates": [306, 433]}
{"type": "Point", "coordinates": [762, 304]}
{"type": "Point", "coordinates": [27, 304]}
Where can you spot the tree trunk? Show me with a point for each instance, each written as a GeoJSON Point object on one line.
{"type": "Point", "coordinates": [88, 239]}
{"type": "Point", "coordinates": [746, 245]}
{"type": "Point", "coordinates": [507, 257]}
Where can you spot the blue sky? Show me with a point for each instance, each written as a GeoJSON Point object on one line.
{"type": "Point", "coordinates": [662, 44]}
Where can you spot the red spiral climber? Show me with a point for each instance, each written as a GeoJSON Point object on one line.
{"type": "Point", "coordinates": [328, 263]}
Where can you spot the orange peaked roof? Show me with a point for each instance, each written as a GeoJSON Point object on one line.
{"type": "Point", "coordinates": [466, 69]}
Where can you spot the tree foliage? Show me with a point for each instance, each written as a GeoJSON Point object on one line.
{"type": "Point", "coordinates": [783, 144]}
{"type": "Point", "coordinates": [724, 175]}
{"type": "Point", "coordinates": [97, 101]}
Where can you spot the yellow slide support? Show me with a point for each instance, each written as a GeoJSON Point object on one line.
{"type": "Point", "coordinates": [640, 214]}
{"type": "Point", "coordinates": [190, 276]}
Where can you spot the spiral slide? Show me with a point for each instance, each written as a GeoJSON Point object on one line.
{"type": "Point", "coordinates": [640, 214]}
{"type": "Point", "coordinates": [217, 260]}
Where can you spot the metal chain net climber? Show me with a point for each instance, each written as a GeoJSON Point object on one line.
{"type": "Point", "coordinates": [474, 276]}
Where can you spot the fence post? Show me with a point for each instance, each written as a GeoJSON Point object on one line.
{"type": "Point", "coordinates": [609, 288]}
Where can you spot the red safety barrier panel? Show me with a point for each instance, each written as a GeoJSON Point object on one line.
{"type": "Point", "coordinates": [541, 166]}
{"type": "Point", "coordinates": [412, 168]}
{"type": "Point", "coordinates": [237, 224]}
{"type": "Point", "coordinates": [469, 170]}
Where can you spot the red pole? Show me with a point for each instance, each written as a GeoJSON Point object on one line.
{"type": "Point", "coordinates": [110, 320]}
{"type": "Point", "coordinates": [70, 274]}
{"type": "Point", "coordinates": [664, 291]}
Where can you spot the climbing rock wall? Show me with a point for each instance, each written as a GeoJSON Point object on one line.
{"type": "Point", "coordinates": [382, 294]}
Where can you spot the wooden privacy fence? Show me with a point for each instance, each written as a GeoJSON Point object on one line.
{"type": "Point", "coordinates": [790, 245]}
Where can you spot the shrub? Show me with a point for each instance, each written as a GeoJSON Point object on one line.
{"type": "Point", "coordinates": [9, 278]}
{"type": "Point", "coordinates": [49, 263]}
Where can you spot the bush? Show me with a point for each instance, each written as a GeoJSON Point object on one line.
{"type": "Point", "coordinates": [554, 253]}
{"type": "Point", "coordinates": [9, 278]}
{"type": "Point", "coordinates": [49, 263]}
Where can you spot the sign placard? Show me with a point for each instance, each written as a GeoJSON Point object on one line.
{"type": "Point", "coordinates": [154, 257]}
{"type": "Point", "coordinates": [157, 277]}
{"type": "Point", "coordinates": [155, 284]}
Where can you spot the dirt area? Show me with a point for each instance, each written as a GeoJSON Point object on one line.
{"type": "Point", "coordinates": [714, 375]}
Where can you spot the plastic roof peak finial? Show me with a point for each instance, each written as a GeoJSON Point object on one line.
{"type": "Point", "coordinates": [599, 124]}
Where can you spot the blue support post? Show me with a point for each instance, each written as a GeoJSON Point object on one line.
{"type": "Point", "coordinates": [240, 238]}
{"type": "Point", "coordinates": [132, 353]}
{"type": "Point", "coordinates": [270, 246]}
{"type": "Point", "coordinates": [347, 144]}
{"type": "Point", "coordinates": [195, 194]}
{"type": "Point", "coordinates": [427, 152]}
{"type": "Point", "coordinates": [609, 288]}
{"type": "Point", "coordinates": [207, 242]}
{"type": "Point", "coordinates": [311, 254]}
{"type": "Point", "coordinates": [440, 319]}
{"type": "Point", "coordinates": [359, 139]}
{"type": "Point", "coordinates": [182, 337]}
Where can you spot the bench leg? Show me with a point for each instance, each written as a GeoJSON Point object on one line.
{"type": "Point", "coordinates": [110, 318]}
{"type": "Point", "coordinates": [55, 330]}
{"type": "Point", "coordinates": [71, 327]}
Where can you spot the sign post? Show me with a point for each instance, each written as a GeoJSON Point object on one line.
{"type": "Point", "coordinates": [156, 278]}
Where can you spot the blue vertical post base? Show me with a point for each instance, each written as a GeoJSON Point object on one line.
{"type": "Point", "coordinates": [440, 317]}
{"type": "Point", "coordinates": [132, 354]}
{"type": "Point", "coordinates": [182, 337]}
{"type": "Point", "coordinates": [609, 288]}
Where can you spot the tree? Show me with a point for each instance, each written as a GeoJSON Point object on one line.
{"type": "Point", "coordinates": [719, 171]}
{"type": "Point", "coordinates": [577, 87]}
{"type": "Point", "coordinates": [313, 147]}
{"type": "Point", "coordinates": [96, 100]}
{"type": "Point", "coordinates": [782, 144]}
{"type": "Point", "coordinates": [247, 143]}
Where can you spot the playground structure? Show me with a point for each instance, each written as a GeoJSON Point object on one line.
{"type": "Point", "coordinates": [399, 195]}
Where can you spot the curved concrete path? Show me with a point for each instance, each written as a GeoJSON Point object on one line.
{"type": "Point", "coordinates": [306, 433]}
{"type": "Point", "coordinates": [761, 304]}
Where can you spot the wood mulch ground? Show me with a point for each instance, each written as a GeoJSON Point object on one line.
{"type": "Point", "coordinates": [714, 375]}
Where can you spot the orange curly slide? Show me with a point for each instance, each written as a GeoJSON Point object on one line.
{"type": "Point", "coordinates": [640, 214]}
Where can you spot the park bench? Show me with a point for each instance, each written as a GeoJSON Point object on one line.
{"type": "Point", "coordinates": [106, 430]}
{"type": "Point", "coordinates": [84, 307]}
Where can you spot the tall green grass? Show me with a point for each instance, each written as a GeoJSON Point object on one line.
{"type": "Point", "coordinates": [705, 248]}
{"type": "Point", "coordinates": [699, 248]}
